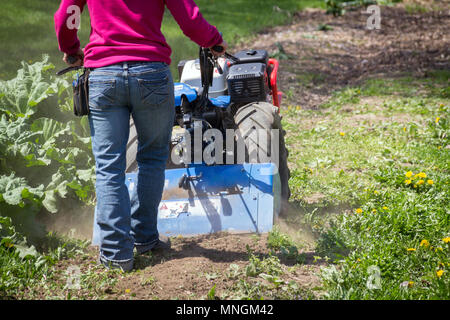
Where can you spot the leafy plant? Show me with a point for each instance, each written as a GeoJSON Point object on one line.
{"type": "Point", "coordinates": [44, 157]}
{"type": "Point", "coordinates": [41, 157]}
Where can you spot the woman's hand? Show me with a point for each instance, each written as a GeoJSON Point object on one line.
{"type": "Point", "coordinates": [224, 45]}
{"type": "Point", "coordinates": [79, 56]}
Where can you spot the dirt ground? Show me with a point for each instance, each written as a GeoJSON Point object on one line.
{"type": "Point", "coordinates": [319, 62]}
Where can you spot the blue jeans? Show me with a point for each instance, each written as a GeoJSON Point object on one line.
{"type": "Point", "coordinates": [126, 219]}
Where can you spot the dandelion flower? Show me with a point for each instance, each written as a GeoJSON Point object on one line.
{"type": "Point", "coordinates": [376, 192]}
{"type": "Point", "coordinates": [359, 210]}
{"type": "Point", "coordinates": [446, 240]}
{"type": "Point", "coordinates": [374, 210]}
{"type": "Point", "coordinates": [430, 182]}
{"type": "Point", "coordinates": [424, 243]}
{"type": "Point", "coordinates": [408, 182]}
{"type": "Point", "coordinates": [127, 290]}
{"type": "Point", "coordinates": [411, 249]}
{"type": "Point", "coordinates": [410, 284]}
{"type": "Point", "coordinates": [437, 120]}
{"type": "Point", "coordinates": [439, 273]}
{"type": "Point", "coordinates": [385, 208]}
{"type": "Point", "coordinates": [422, 175]}
{"type": "Point", "coordinates": [404, 129]}
{"type": "Point", "coordinates": [440, 147]}
{"type": "Point", "coordinates": [409, 174]}
{"type": "Point", "coordinates": [342, 134]}
{"type": "Point", "coordinates": [420, 182]}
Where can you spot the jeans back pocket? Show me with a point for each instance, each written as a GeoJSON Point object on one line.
{"type": "Point", "coordinates": [102, 93]}
{"type": "Point", "coordinates": [154, 89]}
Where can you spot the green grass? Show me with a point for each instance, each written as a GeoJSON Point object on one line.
{"type": "Point", "coordinates": [24, 266]}
{"type": "Point", "coordinates": [27, 29]}
{"type": "Point", "coordinates": [355, 152]}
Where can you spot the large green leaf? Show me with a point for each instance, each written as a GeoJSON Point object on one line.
{"type": "Point", "coordinates": [49, 128]}
{"type": "Point", "coordinates": [14, 190]}
{"type": "Point", "coordinates": [31, 86]}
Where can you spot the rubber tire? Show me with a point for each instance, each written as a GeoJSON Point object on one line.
{"type": "Point", "coordinates": [264, 116]}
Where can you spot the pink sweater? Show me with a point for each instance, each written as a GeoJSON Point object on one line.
{"type": "Point", "coordinates": [130, 30]}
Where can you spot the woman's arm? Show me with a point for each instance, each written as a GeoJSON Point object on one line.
{"type": "Point", "coordinates": [66, 25]}
{"type": "Point", "coordinates": [188, 16]}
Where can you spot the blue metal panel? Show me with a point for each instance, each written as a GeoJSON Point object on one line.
{"type": "Point", "coordinates": [183, 89]}
{"type": "Point", "coordinates": [235, 198]}
{"type": "Point", "coordinates": [221, 102]}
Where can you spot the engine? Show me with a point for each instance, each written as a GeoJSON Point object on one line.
{"type": "Point", "coordinates": [244, 79]}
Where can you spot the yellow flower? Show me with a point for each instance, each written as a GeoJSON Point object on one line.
{"type": "Point", "coordinates": [446, 240]}
{"type": "Point", "coordinates": [404, 129]}
{"type": "Point", "coordinates": [127, 290]}
{"type": "Point", "coordinates": [410, 284]}
{"type": "Point", "coordinates": [408, 182]}
{"type": "Point", "coordinates": [411, 249]}
{"type": "Point", "coordinates": [359, 210]}
{"type": "Point", "coordinates": [424, 243]}
{"type": "Point", "coordinates": [420, 182]}
{"type": "Point", "coordinates": [385, 208]}
{"type": "Point", "coordinates": [374, 210]}
{"type": "Point", "coordinates": [422, 175]}
{"type": "Point", "coordinates": [439, 273]}
{"type": "Point", "coordinates": [437, 120]}
{"type": "Point", "coordinates": [298, 108]}
{"type": "Point", "coordinates": [376, 192]}
{"type": "Point", "coordinates": [342, 133]}
{"type": "Point", "coordinates": [415, 186]}
{"type": "Point", "coordinates": [409, 174]}
{"type": "Point", "coordinates": [430, 182]}
{"type": "Point", "coordinates": [440, 147]}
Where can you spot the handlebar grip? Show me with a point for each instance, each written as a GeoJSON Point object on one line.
{"type": "Point", "coordinates": [72, 59]}
{"type": "Point", "coordinates": [218, 48]}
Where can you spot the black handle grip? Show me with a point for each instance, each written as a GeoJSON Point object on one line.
{"type": "Point", "coordinates": [72, 59]}
{"type": "Point", "coordinates": [218, 48]}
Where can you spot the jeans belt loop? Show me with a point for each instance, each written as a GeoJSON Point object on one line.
{"type": "Point", "coordinates": [125, 68]}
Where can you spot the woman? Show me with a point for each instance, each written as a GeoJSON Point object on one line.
{"type": "Point", "coordinates": [129, 61]}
